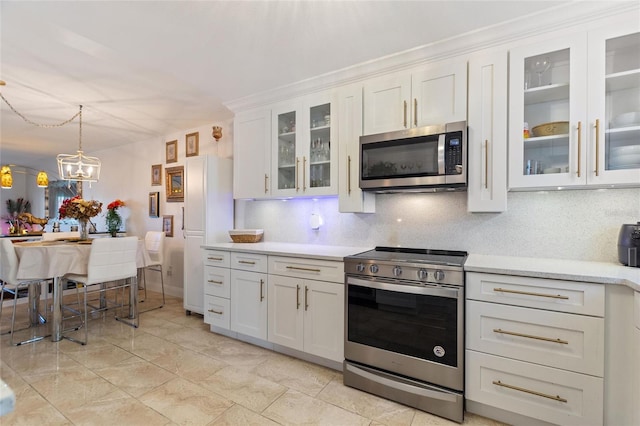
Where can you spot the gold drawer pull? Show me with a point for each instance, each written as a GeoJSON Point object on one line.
{"type": "Point", "coordinates": [529, 336]}
{"type": "Point", "coordinates": [297, 296]}
{"type": "Point", "coordinates": [247, 262]}
{"type": "Point", "coordinates": [527, 293]}
{"type": "Point", "coordinates": [215, 258]}
{"type": "Point", "coordinates": [261, 290]}
{"type": "Point", "coordinates": [303, 269]}
{"type": "Point", "coordinates": [216, 312]}
{"type": "Point", "coordinates": [544, 395]}
{"type": "Point", "coordinates": [215, 282]}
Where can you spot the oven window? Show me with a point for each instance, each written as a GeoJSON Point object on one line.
{"type": "Point", "coordinates": [417, 325]}
{"type": "Point", "coordinates": [410, 158]}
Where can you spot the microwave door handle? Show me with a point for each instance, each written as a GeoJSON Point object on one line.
{"type": "Point", "coordinates": [441, 168]}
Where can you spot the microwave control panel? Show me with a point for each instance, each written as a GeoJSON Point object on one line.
{"type": "Point", "coordinates": [453, 153]}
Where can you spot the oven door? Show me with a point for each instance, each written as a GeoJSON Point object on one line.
{"type": "Point", "coordinates": [408, 329]}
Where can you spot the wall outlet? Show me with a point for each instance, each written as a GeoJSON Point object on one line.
{"type": "Point", "coordinates": [169, 271]}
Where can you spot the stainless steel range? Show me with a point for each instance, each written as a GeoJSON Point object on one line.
{"type": "Point", "coordinates": [404, 328]}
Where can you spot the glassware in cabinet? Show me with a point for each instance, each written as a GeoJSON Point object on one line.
{"type": "Point", "coordinates": [320, 146]}
{"type": "Point", "coordinates": [286, 150]}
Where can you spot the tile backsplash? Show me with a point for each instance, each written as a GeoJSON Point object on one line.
{"type": "Point", "coordinates": [576, 224]}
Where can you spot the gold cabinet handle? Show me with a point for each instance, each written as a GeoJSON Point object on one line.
{"type": "Point", "coordinates": [304, 174]}
{"type": "Point", "coordinates": [405, 114]}
{"type": "Point", "coordinates": [247, 262]}
{"type": "Point", "coordinates": [297, 296]}
{"type": "Point", "coordinates": [306, 297]}
{"type": "Point", "coordinates": [215, 258]}
{"type": "Point", "coordinates": [297, 268]}
{"type": "Point", "coordinates": [216, 312]}
{"type": "Point", "coordinates": [579, 145]}
{"type": "Point", "coordinates": [530, 336]}
{"type": "Point", "coordinates": [486, 163]}
{"type": "Point", "coordinates": [597, 147]}
{"type": "Point", "coordinates": [266, 187]}
{"type": "Point", "coordinates": [519, 389]}
{"type": "Point", "coordinates": [415, 111]}
{"type": "Point", "coordinates": [261, 290]}
{"type": "Point", "coordinates": [215, 282]}
{"type": "Point", "coordinates": [349, 174]}
{"type": "Point", "coordinates": [296, 172]}
{"type": "Point", "coordinates": [527, 293]}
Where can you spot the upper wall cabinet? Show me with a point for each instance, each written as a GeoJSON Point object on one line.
{"type": "Point", "coordinates": [304, 161]}
{"type": "Point", "coordinates": [431, 96]}
{"type": "Point", "coordinates": [582, 110]}
{"type": "Point", "coordinates": [252, 154]}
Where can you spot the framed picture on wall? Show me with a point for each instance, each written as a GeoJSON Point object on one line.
{"type": "Point", "coordinates": [174, 184]}
{"type": "Point", "coordinates": [172, 151]}
{"type": "Point", "coordinates": [156, 174]}
{"type": "Point", "coordinates": [192, 144]}
{"type": "Point", "coordinates": [167, 225]}
{"type": "Point", "coordinates": [154, 204]}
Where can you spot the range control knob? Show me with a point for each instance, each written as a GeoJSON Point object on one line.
{"type": "Point", "coordinates": [373, 268]}
{"type": "Point", "coordinates": [423, 274]}
{"type": "Point", "coordinates": [438, 275]}
{"type": "Point", "coordinates": [397, 271]}
{"type": "Point", "coordinates": [360, 267]}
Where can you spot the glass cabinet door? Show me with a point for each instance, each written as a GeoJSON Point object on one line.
{"type": "Point", "coordinates": [320, 146]}
{"type": "Point", "coordinates": [286, 151]}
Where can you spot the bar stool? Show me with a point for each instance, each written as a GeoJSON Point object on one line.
{"type": "Point", "coordinates": [154, 248]}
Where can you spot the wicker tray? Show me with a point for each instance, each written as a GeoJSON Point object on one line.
{"type": "Point", "coordinates": [550, 129]}
{"type": "Point", "coordinates": [246, 235]}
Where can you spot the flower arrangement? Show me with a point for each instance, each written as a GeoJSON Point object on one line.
{"type": "Point", "coordinates": [113, 218]}
{"type": "Point", "coordinates": [77, 208]}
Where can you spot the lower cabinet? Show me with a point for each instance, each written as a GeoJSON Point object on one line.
{"type": "Point", "coordinates": [636, 366]}
{"type": "Point", "coordinates": [217, 288]}
{"type": "Point", "coordinates": [249, 294]}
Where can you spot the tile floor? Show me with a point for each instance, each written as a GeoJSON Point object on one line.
{"type": "Point", "coordinates": [174, 371]}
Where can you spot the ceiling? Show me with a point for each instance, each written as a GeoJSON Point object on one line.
{"type": "Point", "coordinates": [144, 69]}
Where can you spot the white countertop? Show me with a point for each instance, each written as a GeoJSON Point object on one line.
{"type": "Point", "coordinates": [561, 269]}
{"type": "Point", "coordinates": [291, 249]}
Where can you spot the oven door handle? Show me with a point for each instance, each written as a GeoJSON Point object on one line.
{"type": "Point", "coordinates": [413, 289]}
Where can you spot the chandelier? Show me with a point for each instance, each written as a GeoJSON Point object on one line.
{"type": "Point", "coordinates": [79, 167]}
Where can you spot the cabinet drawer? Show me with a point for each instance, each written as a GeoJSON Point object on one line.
{"type": "Point", "coordinates": [216, 281]}
{"type": "Point", "coordinates": [636, 308]}
{"type": "Point", "coordinates": [216, 258]}
{"type": "Point", "coordinates": [323, 270]}
{"type": "Point", "coordinates": [555, 295]}
{"type": "Point", "coordinates": [567, 341]}
{"type": "Point", "coordinates": [249, 262]}
{"type": "Point", "coordinates": [544, 393]}
{"type": "Point", "coordinates": [216, 311]}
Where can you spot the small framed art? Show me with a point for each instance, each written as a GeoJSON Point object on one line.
{"type": "Point", "coordinates": [172, 151]}
{"type": "Point", "coordinates": [193, 144]}
{"type": "Point", "coordinates": [174, 184]}
{"type": "Point", "coordinates": [156, 174]}
{"type": "Point", "coordinates": [154, 204]}
{"type": "Point", "coordinates": [167, 225]}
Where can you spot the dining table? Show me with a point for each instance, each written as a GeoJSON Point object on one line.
{"type": "Point", "coordinates": [54, 259]}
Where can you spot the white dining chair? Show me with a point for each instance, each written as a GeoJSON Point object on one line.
{"type": "Point", "coordinates": [154, 248]}
{"type": "Point", "coordinates": [112, 261]}
{"type": "Point", "coordinates": [49, 236]}
{"type": "Point", "coordinates": [11, 284]}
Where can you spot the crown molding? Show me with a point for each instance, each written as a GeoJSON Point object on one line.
{"type": "Point", "coordinates": [563, 19]}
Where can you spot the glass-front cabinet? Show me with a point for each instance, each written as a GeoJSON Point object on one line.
{"type": "Point", "coordinates": [303, 156]}
{"type": "Point", "coordinates": [575, 110]}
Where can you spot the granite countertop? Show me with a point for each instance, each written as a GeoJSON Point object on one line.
{"type": "Point", "coordinates": [561, 269]}
{"type": "Point", "coordinates": [291, 249]}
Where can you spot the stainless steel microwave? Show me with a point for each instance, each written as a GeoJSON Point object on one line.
{"type": "Point", "coordinates": [421, 159]}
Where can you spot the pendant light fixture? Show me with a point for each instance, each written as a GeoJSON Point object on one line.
{"type": "Point", "coordinates": [79, 167]}
{"type": "Point", "coordinates": [6, 180]}
{"type": "Point", "coordinates": [42, 180]}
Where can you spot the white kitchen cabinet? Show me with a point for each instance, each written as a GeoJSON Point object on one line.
{"type": "Point", "coordinates": [306, 314]}
{"type": "Point", "coordinates": [487, 132]}
{"type": "Point", "coordinates": [252, 154]}
{"type": "Point", "coordinates": [433, 95]}
{"type": "Point", "coordinates": [208, 216]}
{"type": "Point", "coordinates": [249, 294]}
{"type": "Point", "coordinates": [351, 199]}
{"type": "Point", "coordinates": [535, 347]}
{"type": "Point", "coordinates": [217, 288]}
{"type": "Point", "coordinates": [636, 365]}
{"type": "Point", "coordinates": [557, 81]}
{"type": "Point", "coordinates": [304, 159]}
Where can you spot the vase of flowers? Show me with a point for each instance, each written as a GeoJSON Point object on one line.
{"type": "Point", "coordinates": [114, 221]}
{"type": "Point", "coordinates": [82, 211]}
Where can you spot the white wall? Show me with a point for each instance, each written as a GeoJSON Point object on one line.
{"type": "Point", "coordinates": [576, 224]}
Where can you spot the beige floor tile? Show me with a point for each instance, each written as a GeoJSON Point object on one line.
{"type": "Point", "coordinates": [39, 362]}
{"type": "Point", "coordinates": [367, 405]}
{"type": "Point", "coordinates": [92, 356]}
{"type": "Point", "coordinates": [237, 353]}
{"type": "Point", "coordinates": [193, 338]}
{"type": "Point", "coordinates": [32, 409]}
{"type": "Point", "coordinates": [136, 378]}
{"type": "Point", "coordinates": [127, 411]}
{"type": "Point", "coordinates": [248, 390]}
{"type": "Point", "coordinates": [186, 403]}
{"type": "Point", "coordinates": [240, 416]}
{"type": "Point", "coordinates": [183, 362]}
{"type": "Point", "coordinates": [295, 408]}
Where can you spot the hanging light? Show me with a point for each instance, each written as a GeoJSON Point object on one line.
{"type": "Point", "coordinates": [42, 180]}
{"type": "Point", "coordinates": [6, 180]}
{"type": "Point", "coordinates": [79, 167]}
